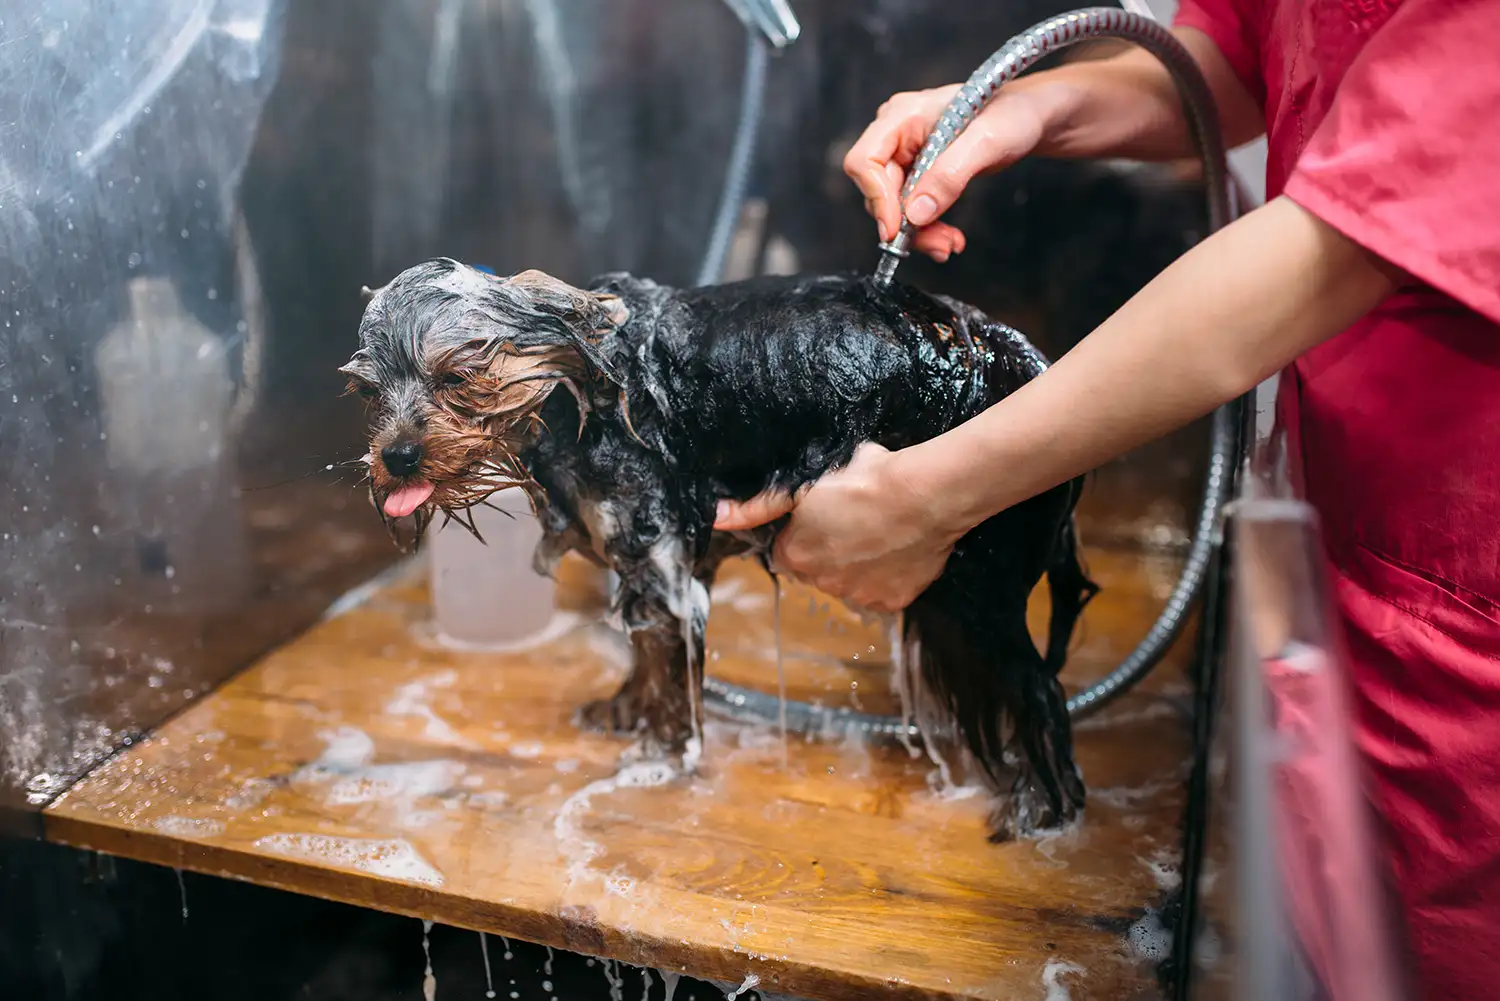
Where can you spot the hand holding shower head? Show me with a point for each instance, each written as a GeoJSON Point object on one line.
{"type": "Point", "coordinates": [1034, 44]}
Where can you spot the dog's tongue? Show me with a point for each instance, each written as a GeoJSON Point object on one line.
{"type": "Point", "coordinates": [404, 500]}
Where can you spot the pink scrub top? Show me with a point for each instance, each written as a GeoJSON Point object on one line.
{"type": "Point", "coordinates": [1382, 120]}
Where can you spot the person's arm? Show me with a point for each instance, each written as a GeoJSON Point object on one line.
{"type": "Point", "coordinates": [1122, 106]}
{"type": "Point", "coordinates": [1231, 311]}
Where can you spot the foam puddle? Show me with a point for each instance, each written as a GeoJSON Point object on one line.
{"type": "Point", "coordinates": [393, 858]}
{"type": "Point", "coordinates": [351, 779]}
{"type": "Point", "coordinates": [415, 699]}
{"type": "Point", "coordinates": [1052, 975]}
{"type": "Point", "coordinates": [188, 827]}
{"type": "Point", "coordinates": [577, 848]}
{"type": "Point", "coordinates": [1149, 938]}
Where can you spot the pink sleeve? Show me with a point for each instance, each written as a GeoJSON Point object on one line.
{"type": "Point", "coordinates": [1234, 27]}
{"type": "Point", "coordinates": [1405, 163]}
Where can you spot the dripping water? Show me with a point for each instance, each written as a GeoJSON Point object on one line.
{"type": "Point", "coordinates": [429, 982]}
{"type": "Point", "coordinates": [646, 976]}
{"type": "Point", "coordinates": [901, 666]}
{"type": "Point", "coordinates": [182, 889]}
{"type": "Point", "coordinates": [509, 955]}
{"type": "Point", "coordinates": [751, 980]}
{"type": "Point", "coordinates": [670, 980]}
{"type": "Point", "coordinates": [489, 980]}
{"type": "Point", "coordinates": [780, 667]}
{"type": "Point", "coordinates": [695, 696]}
{"type": "Point", "coordinates": [547, 972]}
{"type": "Point", "coordinates": [945, 777]}
{"type": "Point", "coordinates": [616, 982]}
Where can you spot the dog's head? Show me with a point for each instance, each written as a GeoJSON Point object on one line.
{"type": "Point", "coordinates": [455, 365]}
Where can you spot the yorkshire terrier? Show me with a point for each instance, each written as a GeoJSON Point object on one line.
{"type": "Point", "coordinates": [627, 410]}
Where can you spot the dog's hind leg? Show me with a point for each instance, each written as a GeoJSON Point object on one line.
{"type": "Point", "coordinates": [1070, 589]}
{"type": "Point", "coordinates": [981, 667]}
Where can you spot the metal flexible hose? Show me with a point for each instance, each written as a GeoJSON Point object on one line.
{"type": "Point", "coordinates": [1014, 58]}
{"type": "Point", "coordinates": [741, 160]}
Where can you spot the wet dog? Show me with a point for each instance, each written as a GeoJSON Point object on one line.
{"type": "Point", "coordinates": [627, 409]}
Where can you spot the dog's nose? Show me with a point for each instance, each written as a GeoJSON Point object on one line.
{"type": "Point", "coordinates": [402, 458]}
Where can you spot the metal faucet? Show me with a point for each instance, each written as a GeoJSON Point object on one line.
{"type": "Point", "coordinates": [774, 18]}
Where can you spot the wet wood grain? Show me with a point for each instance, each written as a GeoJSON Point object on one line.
{"type": "Point", "coordinates": [366, 763]}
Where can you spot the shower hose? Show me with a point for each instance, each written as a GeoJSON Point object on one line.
{"type": "Point", "coordinates": [1010, 61]}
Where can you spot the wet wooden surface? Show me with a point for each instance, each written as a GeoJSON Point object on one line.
{"type": "Point", "coordinates": [363, 762]}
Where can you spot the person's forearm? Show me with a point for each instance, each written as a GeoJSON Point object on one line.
{"type": "Point", "coordinates": [1233, 310]}
{"type": "Point", "coordinates": [1127, 105]}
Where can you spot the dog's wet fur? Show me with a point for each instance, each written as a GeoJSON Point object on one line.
{"type": "Point", "coordinates": [626, 410]}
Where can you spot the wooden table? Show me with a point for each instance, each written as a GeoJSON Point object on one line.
{"type": "Point", "coordinates": [364, 762]}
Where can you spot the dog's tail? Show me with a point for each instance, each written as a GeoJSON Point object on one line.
{"type": "Point", "coordinates": [1070, 589]}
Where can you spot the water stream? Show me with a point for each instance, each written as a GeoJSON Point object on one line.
{"type": "Point", "coordinates": [489, 980]}
{"type": "Point", "coordinates": [780, 667]}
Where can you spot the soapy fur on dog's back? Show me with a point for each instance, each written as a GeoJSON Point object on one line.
{"type": "Point", "coordinates": [773, 382]}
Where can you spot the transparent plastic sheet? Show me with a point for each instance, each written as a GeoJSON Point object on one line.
{"type": "Point", "coordinates": [1294, 892]}
{"type": "Point", "coordinates": [575, 137]}
{"type": "Point", "coordinates": [131, 308]}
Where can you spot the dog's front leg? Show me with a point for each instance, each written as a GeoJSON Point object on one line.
{"type": "Point", "coordinates": [665, 611]}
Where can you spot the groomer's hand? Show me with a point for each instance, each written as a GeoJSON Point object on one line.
{"type": "Point", "coordinates": [865, 534]}
{"type": "Point", "coordinates": [1009, 129]}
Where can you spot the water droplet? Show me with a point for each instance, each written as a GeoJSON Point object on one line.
{"type": "Point", "coordinates": [184, 233]}
{"type": "Point", "coordinates": [134, 260]}
{"type": "Point", "coordinates": [213, 293]}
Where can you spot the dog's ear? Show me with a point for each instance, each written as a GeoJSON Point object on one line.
{"type": "Point", "coordinates": [614, 308]}
{"type": "Point", "coordinates": [358, 366]}
{"type": "Point", "coordinates": [589, 317]}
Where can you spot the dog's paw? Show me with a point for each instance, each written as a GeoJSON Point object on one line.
{"type": "Point", "coordinates": [649, 747]}
{"type": "Point", "coordinates": [617, 716]}
{"type": "Point", "coordinates": [1028, 812]}
{"type": "Point", "coordinates": [679, 754]}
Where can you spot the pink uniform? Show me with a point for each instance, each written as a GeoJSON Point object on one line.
{"type": "Point", "coordinates": [1382, 121]}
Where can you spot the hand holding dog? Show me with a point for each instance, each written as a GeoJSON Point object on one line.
{"type": "Point", "coordinates": [865, 533]}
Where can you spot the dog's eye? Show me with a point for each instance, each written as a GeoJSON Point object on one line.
{"type": "Point", "coordinates": [448, 380]}
{"type": "Point", "coordinates": [364, 389]}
